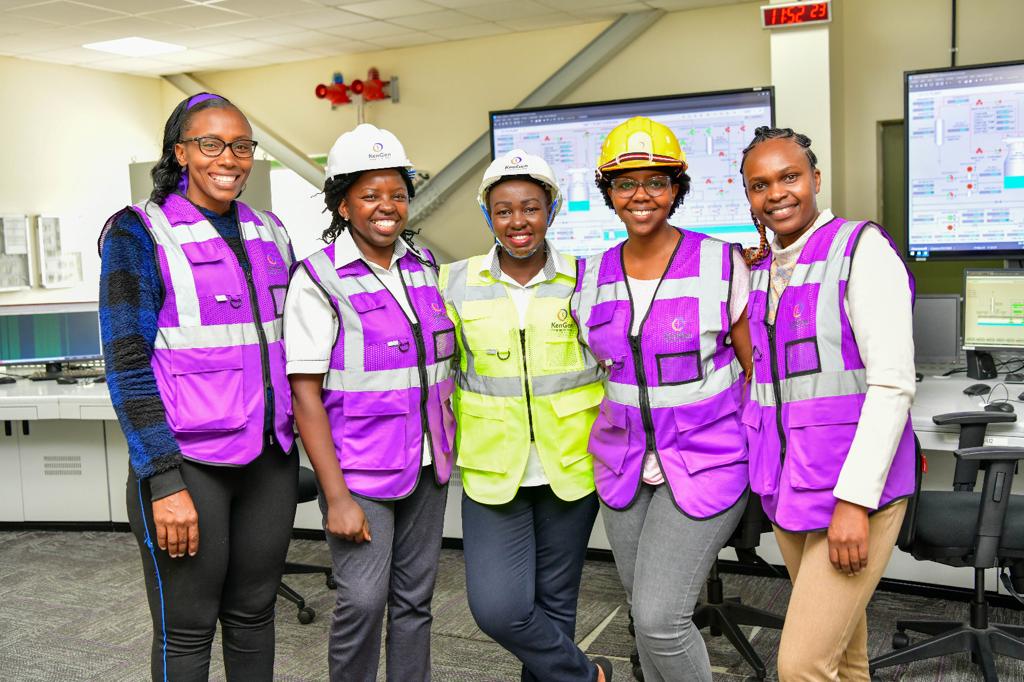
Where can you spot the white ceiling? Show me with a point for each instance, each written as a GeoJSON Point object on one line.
{"type": "Point", "coordinates": [235, 34]}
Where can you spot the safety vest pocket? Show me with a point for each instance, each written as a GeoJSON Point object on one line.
{"type": "Point", "coordinates": [709, 434]}
{"type": "Point", "coordinates": [481, 433]}
{"type": "Point", "coordinates": [208, 390]}
{"type": "Point", "coordinates": [562, 355]}
{"type": "Point", "coordinates": [818, 440]}
{"type": "Point", "coordinates": [373, 430]}
{"type": "Point", "coordinates": [609, 437]}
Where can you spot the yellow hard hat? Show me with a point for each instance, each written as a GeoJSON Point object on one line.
{"type": "Point", "coordinates": [640, 142]}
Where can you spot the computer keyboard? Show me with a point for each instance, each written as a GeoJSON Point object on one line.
{"type": "Point", "coordinates": [80, 373]}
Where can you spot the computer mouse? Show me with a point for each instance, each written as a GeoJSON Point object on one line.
{"type": "Point", "coordinates": [1001, 406]}
{"type": "Point", "coordinates": [67, 380]}
{"type": "Point", "coordinates": [7, 380]}
{"type": "Point", "coordinates": [977, 389]}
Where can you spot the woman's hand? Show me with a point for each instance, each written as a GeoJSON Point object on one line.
{"type": "Point", "coordinates": [177, 524]}
{"type": "Point", "coordinates": [848, 538]}
{"type": "Point", "coordinates": [346, 520]}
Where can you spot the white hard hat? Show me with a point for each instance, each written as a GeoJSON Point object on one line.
{"type": "Point", "coordinates": [518, 162]}
{"type": "Point", "coordinates": [367, 147]}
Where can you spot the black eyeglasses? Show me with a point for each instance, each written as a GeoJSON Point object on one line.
{"type": "Point", "coordinates": [654, 186]}
{"type": "Point", "coordinates": [214, 146]}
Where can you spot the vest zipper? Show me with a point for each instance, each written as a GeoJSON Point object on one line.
{"type": "Point", "coordinates": [421, 366]}
{"type": "Point", "coordinates": [641, 382]}
{"type": "Point", "coordinates": [526, 383]}
{"type": "Point", "coordinates": [268, 386]}
{"type": "Point", "coordinates": [777, 390]}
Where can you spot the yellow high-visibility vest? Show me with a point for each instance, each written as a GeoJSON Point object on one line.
{"type": "Point", "coordinates": [509, 379]}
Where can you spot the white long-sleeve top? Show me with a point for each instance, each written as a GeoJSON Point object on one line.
{"type": "Point", "coordinates": [878, 304]}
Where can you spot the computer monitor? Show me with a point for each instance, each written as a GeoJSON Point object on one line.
{"type": "Point", "coordinates": [713, 129]}
{"type": "Point", "coordinates": [937, 329]}
{"type": "Point", "coordinates": [964, 137]}
{"type": "Point", "coordinates": [993, 317]}
{"type": "Point", "coordinates": [49, 334]}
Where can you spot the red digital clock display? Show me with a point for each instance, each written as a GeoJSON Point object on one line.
{"type": "Point", "coordinates": [795, 14]}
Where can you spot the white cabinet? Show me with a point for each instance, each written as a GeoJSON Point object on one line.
{"type": "Point", "coordinates": [63, 470]}
{"type": "Point", "coordinates": [117, 470]}
{"type": "Point", "coordinates": [10, 474]}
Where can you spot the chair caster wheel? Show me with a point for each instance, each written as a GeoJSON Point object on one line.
{"type": "Point", "coordinates": [306, 615]}
{"type": "Point", "coordinates": [900, 640]}
{"type": "Point", "coordinates": [331, 584]}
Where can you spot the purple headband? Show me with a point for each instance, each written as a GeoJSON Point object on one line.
{"type": "Point", "coordinates": [183, 182]}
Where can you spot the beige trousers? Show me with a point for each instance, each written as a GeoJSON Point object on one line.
{"type": "Point", "coordinates": [826, 631]}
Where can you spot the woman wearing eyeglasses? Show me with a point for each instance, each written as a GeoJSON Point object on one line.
{"type": "Point", "coordinates": [191, 296]}
{"type": "Point", "coordinates": [662, 313]}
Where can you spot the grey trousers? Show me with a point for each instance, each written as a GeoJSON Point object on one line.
{"type": "Point", "coordinates": [396, 569]}
{"type": "Point", "coordinates": [663, 558]}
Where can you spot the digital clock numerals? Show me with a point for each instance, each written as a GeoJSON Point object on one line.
{"type": "Point", "coordinates": [795, 14]}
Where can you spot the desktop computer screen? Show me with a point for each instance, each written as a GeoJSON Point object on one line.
{"type": "Point", "coordinates": [51, 333]}
{"type": "Point", "coordinates": [712, 128]}
{"type": "Point", "coordinates": [994, 310]}
{"type": "Point", "coordinates": [965, 162]}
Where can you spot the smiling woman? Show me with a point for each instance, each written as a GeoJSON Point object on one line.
{"type": "Point", "coordinates": [191, 329]}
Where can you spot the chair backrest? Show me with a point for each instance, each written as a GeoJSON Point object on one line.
{"type": "Point", "coordinates": [752, 525]}
{"type": "Point", "coordinates": [908, 531]}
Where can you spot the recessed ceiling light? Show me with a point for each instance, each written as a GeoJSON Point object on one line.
{"type": "Point", "coordinates": [134, 47]}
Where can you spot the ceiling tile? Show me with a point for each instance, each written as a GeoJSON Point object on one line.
{"type": "Point", "coordinates": [72, 55]}
{"type": "Point", "coordinates": [367, 31]}
{"type": "Point", "coordinates": [10, 23]}
{"type": "Point", "coordinates": [283, 56]}
{"type": "Point", "coordinates": [344, 46]}
{"type": "Point", "coordinates": [23, 44]}
{"type": "Point", "coordinates": [540, 22]}
{"type": "Point", "coordinates": [131, 26]}
{"type": "Point", "coordinates": [191, 57]}
{"type": "Point", "coordinates": [302, 39]}
{"type": "Point", "coordinates": [323, 18]}
{"type": "Point", "coordinates": [507, 10]}
{"type": "Point", "coordinates": [254, 28]}
{"type": "Point", "coordinates": [131, 65]}
{"type": "Point", "coordinates": [195, 37]}
{"type": "Point", "coordinates": [603, 11]}
{"type": "Point", "coordinates": [266, 8]}
{"type": "Point", "coordinates": [231, 64]}
{"type": "Point", "coordinates": [240, 48]}
{"type": "Point", "coordinates": [474, 31]}
{"type": "Point", "coordinates": [459, 4]}
{"type": "Point", "coordinates": [443, 19]}
{"type": "Point", "coordinates": [574, 5]}
{"type": "Point", "coordinates": [65, 13]}
{"type": "Point", "coordinates": [407, 40]}
{"type": "Point", "coordinates": [386, 9]}
{"type": "Point", "coordinates": [136, 6]}
{"type": "Point", "coordinates": [196, 16]}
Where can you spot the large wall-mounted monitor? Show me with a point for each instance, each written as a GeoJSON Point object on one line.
{"type": "Point", "coordinates": [965, 162]}
{"type": "Point", "coordinates": [49, 334]}
{"type": "Point", "coordinates": [713, 129]}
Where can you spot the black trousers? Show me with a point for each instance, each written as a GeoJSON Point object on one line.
{"type": "Point", "coordinates": [245, 523]}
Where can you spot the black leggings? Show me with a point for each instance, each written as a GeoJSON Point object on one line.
{"type": "Point", "coordinates": [245, 523]}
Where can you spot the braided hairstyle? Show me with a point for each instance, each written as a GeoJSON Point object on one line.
{"type": "Point", "coordinates": [167, 173]}
{"type": "Point", "coordinates": [678, 177]}
{"type": "Point", "coordinates": [756, 254]}
{"type": "Point", "coordinates": [335, 189]}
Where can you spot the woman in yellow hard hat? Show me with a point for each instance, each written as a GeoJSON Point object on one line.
{"type": "Point", "coordinates": [526, 396]}
{"type": "Point", "coordinates": [662, 313]}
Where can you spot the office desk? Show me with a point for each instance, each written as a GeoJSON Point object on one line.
{"type": "Point", "coordinates": [64, 458]}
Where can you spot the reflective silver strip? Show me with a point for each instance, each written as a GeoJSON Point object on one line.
{"type": "Point", "coordinates": [268, 231]}
{"type": "Point", "coordinates": [553, 290]}
{"type": "Point", "coordinates": [711, 290]}
{"type": "Point", "coordinates": [482, 293]}
{"type": "Point", "coordinates": [186, 298]}
{"type": "Point", "coordinates": [387, 379]}
{"type": "Point", "coordinates": [501, 387]}
{"type": "Point", "coordinates": [550, 384]}
{"type": "Point", "coordinates": [674, 396]}
{"type": "Point", "coordinates": [216, 335]}
{"type": "Point", "coordinates": [825, 385]}
{"type": "Point", "coordinates": [455, 287]}
{"type": "Point", "coordinates": [759, 280]}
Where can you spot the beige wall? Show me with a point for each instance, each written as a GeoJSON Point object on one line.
{"type": "Point", "coordinates": [69, 135]}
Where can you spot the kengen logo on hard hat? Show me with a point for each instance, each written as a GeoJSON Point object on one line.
{"type": "Point", "coordinates": [378, 151]}
{"type": "Point", "coordinates": [516, 160]}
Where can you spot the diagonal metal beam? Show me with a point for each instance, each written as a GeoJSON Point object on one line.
{"type": "Point", "coordinates": [588, 60]}
{"type": "Point", "coordinates": [274, 144]}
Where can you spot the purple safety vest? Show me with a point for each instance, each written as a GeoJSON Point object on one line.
{"type": "Point", "coordinates": [808, 362]}
{"type": "Point", "coordinates": [218, 357]}
{"type": "Point", "coordinates": [390, 380]}
{"type": "Point", "coordinates": [675, 388]}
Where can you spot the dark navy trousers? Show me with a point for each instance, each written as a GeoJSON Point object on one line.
{"type": "Point", "coordinates": [524, 561]}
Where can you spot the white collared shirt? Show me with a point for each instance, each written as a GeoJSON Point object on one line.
{"type": "Point", "coordinates": [521, 295]}
{"type": "Point", "coordinates": [310, 324]}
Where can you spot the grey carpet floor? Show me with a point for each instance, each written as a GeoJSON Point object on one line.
{"type": "Point", "coordinates": [72, 607]}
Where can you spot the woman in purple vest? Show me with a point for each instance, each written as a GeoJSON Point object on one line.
{"type": "Point", "coordinates": [370, 351]}
{"type": "Point", "coordinates": [662, 312]}
{"type": "Point", "coordinates": [831, 447]}
{"type": "Point", "coordinates": [191, 298]}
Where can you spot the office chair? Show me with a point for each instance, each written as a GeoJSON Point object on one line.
{"type": "Point", "coordinates": [723, 615]}
{"type": "Point", "coordinates": [307, 493]}
{"type": "Point", "coordinates": [964, 528]}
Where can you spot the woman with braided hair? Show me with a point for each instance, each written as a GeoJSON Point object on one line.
{"type": "Point", "coordinates": [828, 428]}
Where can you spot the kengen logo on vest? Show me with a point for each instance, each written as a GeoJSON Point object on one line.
{"type": "Point", "coordinates": [564, 323]}
{"type": "Point", "coordinates": [678, 327]}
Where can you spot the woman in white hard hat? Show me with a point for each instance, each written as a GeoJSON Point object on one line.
{"type": "Point", "coordinates": [664, 312]}
{"type": "Point", "coordinates": [526, 397]}
{"type": "Point", "coordinates": [370, 351]}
